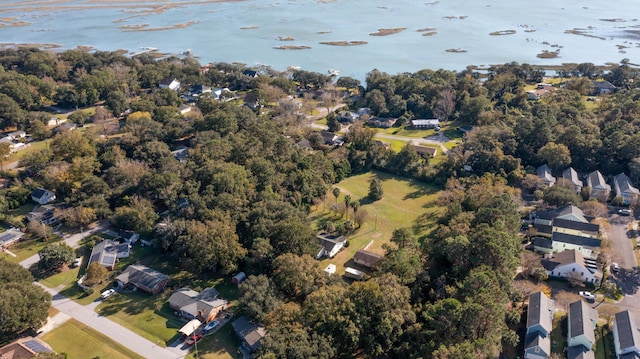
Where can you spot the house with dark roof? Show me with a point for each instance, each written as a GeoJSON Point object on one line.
{"type": "Point", "coordinates": [129, 237]}
{"type": "Point", "coordinates": [576, 228]}
{"type": "Point", "coordinates": [181, 154]}
{"type": "Point", "coordinates": [570, 176]}
{"type": "Point", "coordinates": [10, 236]}
{"type": "Point", "coordinates": [600, 190]}
{"type": "Point", "coordinates": [587, 246]}
{"type": "Point", "coordinates": [602, 87]}
{"type": "Point", "coordinates": [250, 334]}
{"type": "Point", "coordinates": [250, 73]}
{"type": "Point", "coordinates": [43, 196]}
{"type": "Point", "coordinates": [626, 337]}
{"type": "Point", "coordinates": [197, 90]}
{"type": "Point", "coordinates": [107, 253]}
{"type": "Point", "coordinates": [570, 264]}
{"type": "Point", "coordinates": [580, 352]}
{"type": "Point", "coordinates": [330, 244]}
{"type": "Point", "coordinates": [331, 138]}
{"type": "Point", "coordinates": [367, 259]}
{"type": "Point", "coordinates": [537, 346]}
{"type": "Point", "coordinates": [544, 173]}
{"type": "Point", "coordinates": [169, 83]}
{"type": "Point", "coordinates": [624, 189]}
{"type": "Point", "coordinates": [347, 117]}
{"type": "Point", "coordinates": [143, 278]}
{"type": "Point", "coordinates": [568, 212]}
{"type": "Point", "coordinates": [582, 321]}
{"type": "Point", "coordinates": [537, 342]}
{"type": "Point", "coordinates": [204, 306]}
{"type": "Point", "coordinates": [425, 123]}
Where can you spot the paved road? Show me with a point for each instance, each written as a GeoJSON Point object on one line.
{"type": "Point", "coordinates": [86, 315]}
{"type": "Point", "coordinates": [623, 248]}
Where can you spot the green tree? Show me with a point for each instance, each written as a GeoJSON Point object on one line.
{"type": "Point", "coordinates": [5, 150]}
{"type": "Point", "coordinates": [375, 189]}
{"type": "Point", "coordinates": [557, 156]}
{"type": "Point", "coordinates": [336, 193]}
{"type": "Point", "coordinates": [258, 297]}
{"type": "Point", "coordinates": [54, 256]}
{"type": "Point", "coordinates": [297, 276]}
{"type": "Point", "coordinates": [332, 122]}
{"type": "Point", "coordinates": [79, 117]}
{"type": "Point", "coordinates": [96, 274]}
{"type": "Point", "coordinates": [138, 216]}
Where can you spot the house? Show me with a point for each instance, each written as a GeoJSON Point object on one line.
{"type": "Point", "coordinates": [197, 90]}
{"type": "Point", "coordinates": [347, 117]}
{"type": "Point", "coordinates": [426, 123]}
{"type": "Point", "coordinates": [570, 264]}
{"type": "Point", "coordinates": [540, 314]}
{"type": "Point", "coordinates": [539, 91]}
{"type": "Point", "coordinates": [367, 259]}
{"type": "Point", "coordinates": [626, 337]}
{"type": "Point", "coordinates": [537, 346]}
{"type": "Point", "coordinates": [383, 122]}
{"type": "Point", "coordinates": [575, 228]}
{"type": "Point", "coordinates": [600, 190]}
{"type": "Point", "coordinates": [24, 348]}
{"type": "Point", "coordinates": [603, 87]}
{"type": "Point", "coordinates": [364, 111]}
{"type": "Point", "coordinates": [180, 154]}
{"type": "Point", "coordinates": [218, 92]}
{"type": "Point", "coordinates": [129, 237]}
{"type": "Point", "coordinates": [560, 242]}
{"type": "Point", "coordinates": [250, 73]}
{"type": "Point", "coordinates": [143, 278]}
{"type": "Point", "coordinates": [184, 109]}
{"type": "Point", "coordinates": [203, 306]}
{"type": "Point", "coordinates": [582, 320]}
{"type": "Point", "coordinates": [331, 138]}
{"type": "Point", "coordinates": [330, 244]}
{"type": "Point", "coordinates": [169, 83]}
{"type": "Point", "coordinates": [17, 135]}
{"type": "Point", "coordinates": [107, 253]}
{"type": "Point", "coordinates": [568, 212]}
{"type": "Point", "coordinates": [544, 173]}
{"type": "Point", "coordinates": [425, 151]}
{"type": "Point", "coordinates": [10, 236]}
{"type": "Point", "coordinates": [580, 352]}
{"type": "Point", "coordinates": [42, 214]}
{"type": "Point", "coordinates": [42, 196]}
{"type": "Point", "coordinates": [249, 333]}
{"type": "Point", "coordinates": [623, 188]}
{"type": "Point", "coordinates": [67, 126]}
{"type": "Point", "coordinates": [570, 176]}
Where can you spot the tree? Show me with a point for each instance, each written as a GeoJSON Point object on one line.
{"type": "Point", "coordinates": [297, 276]}
{"type": "Point", "coordinates": [558, 196]}
{"type": "Point", "coordinates": [336, 193]}
{"type": "Point", "coordinates": [375, 189]}
{"type": "Point", "coordinates": [404, 238]}
{"type": "Point", "coordinates": [557, 156]}
{"type": "Point", "coordinates": [54, 256]}
{"type": "Point", "coordinates": [79, 117]}
{"type": "Point", "coordinates": [5, 150]}
{"type": "Point", "coordinates": [23, 304]}
{"type": "Point", "coordinates": [138, 216]}
{"type": "Point", "coordinates": [78, 216]}
{"type": "Point", "coordinates": [96, 274]}
{"type": "Point", "coordinates": [332, 122]}
{"type": "Point", "coordinates": [347, 203]}
{"type": "Point", "coordinates": [258, 297]}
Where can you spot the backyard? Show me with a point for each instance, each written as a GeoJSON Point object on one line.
{"type": "Point", "coordinates": [221, 345]}
{"type": "Point", "coordinates": [405, 203]}
{"type": "Point", "coordinates": [77, 340]}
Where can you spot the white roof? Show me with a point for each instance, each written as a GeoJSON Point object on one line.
{"type": "Point", "coordinates": [190, 327]}
{"type": "Point", "coordinates": [331, 268]}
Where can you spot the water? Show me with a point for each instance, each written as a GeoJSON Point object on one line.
{"type": "Point", "coordinates": [464, 25]}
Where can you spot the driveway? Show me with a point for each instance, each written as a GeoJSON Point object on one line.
{"type": "Point", "coordinates": [622, 246]}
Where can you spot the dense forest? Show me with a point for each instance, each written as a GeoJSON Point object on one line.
{"type": "Point", "coordinates": [241, 197]}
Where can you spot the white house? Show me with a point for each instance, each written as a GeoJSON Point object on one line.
{"type": "Point", "coordinates": [42, 196]}
{"type": "Point", "coordinates": [626, 337]}
{"type": "Point", "coordinates": [330, 245]}
{"type": "Point", "coordinates": [600, 190]}
{"type": "Point", "coordinates": [544, 173]}
{"type": "Point", "coordinates": [571, 264]}
{"type": "Point", "coordinates": [582, 321]}
{"type": "Point", "coordinates": [623, 187]}
{"type": "Point", "coordinates": [571, 176]}
{"type": "Point", "coordinates": [425, 123]}
{"type": "Point", "coordinates": [169, 83]}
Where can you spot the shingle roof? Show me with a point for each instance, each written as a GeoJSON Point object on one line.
{"type": "Point", "coordinates": [194, 303]}
{"type": "Point", "coordinates": [39, 192]}
{"type": "Point", "coordinates": [596, 181]}
{"type": "Point", "coordinates": [250, 333]}
{"type": "Point", "coordinates": [366, 256]}
{"type": "Point", "coordinates": [580, 352]}
{"type": "Point", "coordinates": [107, 253]}
{"type": "Point", "coordinates": [539, 311]}
{"type": "Point", "coordinates": [580, 316]}
{"type": "Point", "coordinates": [575, 240]}
{"type": "Point", "coordinates": [564, 258]}
{"type": "Point", "coordinates": [571, 175]}
{"type": "Point", "coordinates": [628, 334]}
{"type": "Point", "coordinates": [622, 184]}
{"type": "Point", "coordinates": [544, 172]}
{"type": "Point", "coordinates": [141, 275]}
{"type": "Point", "coordinates": [542, 242]}
{"type": "Point", "coordinates": [580, 226]}
{"type": "Point", "coordinates": [533, 340]}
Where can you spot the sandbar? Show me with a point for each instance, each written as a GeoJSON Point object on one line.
{"type": "Point", "coordinates": [343, 43]}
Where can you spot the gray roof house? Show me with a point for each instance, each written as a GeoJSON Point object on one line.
{"type": "Point", "coordinates": [108, 252]}
{"type": "Point", "coordinates": [623, 188]}
{"type": "Point", "coordinates": [9, 237]}
{"type": "Point", "coordinates": [425, 123]}
{"type": "Point", "coordinates": [568, 212]}
{"type": "Point", "coordinates": [572, 264]}
{"type": "Point", "coordinates": [571, 176]}
{"type": "Point", "coordinates": [582, 321]}
{"type": "Point", "coordinates": [203, 306]}
{"type": "Point", "coordinates": [544, 173]}
{"type": "Point", "coordinates": [626, 337]}
{"type": "Point", "coordinates": [537, 346]}
{"type": "Point", "coordinates": [580, 352]}
{"type": "Point", "coordinates": [537, 341]}
{"type": "Point", "coordinates": [600, 190]}
{"type": "Point", "coordinates": [330, 244]}
{"type": "Point", "coordinates": [249, 333]}
{"type": "Point", "coordinates": [42, 196]}
{"type": "Point", "coordinates": [143, 278]}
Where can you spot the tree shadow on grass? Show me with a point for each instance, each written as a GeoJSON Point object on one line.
{"type": "Point", "coordinates": [628, 280]}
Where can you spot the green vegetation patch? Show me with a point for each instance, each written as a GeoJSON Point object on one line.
{"type": "Point", "coordinates": [405, 203]}
{"type": "Point", "coordinates": [66, 277]}
{"type": "Point", "coordinates": [24, 250]}
{"type": "Point", "coordinates": [80, 341]}
{"type": "Point", "coordinates": [221, 345]}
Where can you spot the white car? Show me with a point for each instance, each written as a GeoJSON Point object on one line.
{"type": "Point", "coordinates": [615, 267]}
{"type": "Point", "coordinates": [587, 295]}
{"type": "Point", "coordinates": [107, 293]}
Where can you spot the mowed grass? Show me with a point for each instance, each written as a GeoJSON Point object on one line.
{"type": "Point", "coordinates": [80, 341]}
{"type": "Point", "coordinates": [604, 343]}
{"type": "Point", "coordinates": [24, 250]}
{"type": "Point", "coordinates": [146, 315]}
{"type": "Point", "coordinates": [221, 345]}
{"type": "Point", "coordinates": [405, 203]}
{"type": "Point", "coordinates": [66, 277]}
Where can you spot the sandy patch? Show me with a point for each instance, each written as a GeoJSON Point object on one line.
{"type": "Point", "coordinates": [253, 27]}
{"type": "Point", "coordinates": [292, 47]}
{"type": "Point", "coordinates": [288, 38]}
{"type": "Point", "coordinates": [546, 54]}
{"type": "Point", "coordinates": [144, 27]}
{"type": "Point", "coordinates": [323, 32]}
{"type": "Point", "coordinates": [583, 32]}
{"type": "Point", "coordinates": [502, 32]}
{"type": "Point", "coordinates": [385, 32]}
{"type": "Point", "coordinates": [343, 43]}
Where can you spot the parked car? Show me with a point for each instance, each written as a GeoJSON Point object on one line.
{"type": "Point", "coordinates": [615, 267]}
{"type": "Point", "coordinates": [624, 212]}
{"type": "Point", "coordinates": [107, 293]}
{"type": "Point", "coordinates": [193, 339]}
{"type": "Point", "coordinates": [587, 295]}
{"type": "Point", "coordinates": [211, 325]}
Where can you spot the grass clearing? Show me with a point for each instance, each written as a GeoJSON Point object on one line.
{"type": "Point", "coordinates": [77, 340]}
{"type": "Point", "coordinates": [24, 250]}
{"type": "Point", "coordinates": [66, 277]}
{"type": "Point", "coordinates": [221, 345]}
{"type": "Point", "coordinates": [604, 343]}
{"type": "Point", "coordinates": [146, 315]}
{"type": "Point", "coordinates": [405, 203]}
{"type": "Point", "coordinates": [33, 147]}
{"type": "Point", "coordinates": [407, 132]}
{"type": "Point", "coordinates": [558, 338]}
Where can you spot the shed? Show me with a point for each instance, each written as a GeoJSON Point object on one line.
{"type": "Point", "coordinates": [353, 273]}
{"type": "Point", "coordinates": [238, 278]}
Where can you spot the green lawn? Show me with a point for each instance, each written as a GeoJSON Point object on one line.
{"type": "Point", "coordinates": [407, 132]}
{"type": "Point", "coordinates": [405, 203]}
{"type": "Point", "coordinates": [77, 340]}
{"type": "Point", "coordinates": [221, 345]}
{"type": "Point", "coordinates": [66, 277]}
{"type": "Point", "coordinates": [24, 250]}
{"type": "Point", "coordinates": [34, 147]}
{"type": "Point", "coordinates": [147, 315]}
{"type": "Point", "coordinates": [558, 337]}
{"type": "Point", "coordinates": [604, 343]}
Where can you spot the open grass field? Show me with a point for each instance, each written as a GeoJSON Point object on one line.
{"type": "Point", "coordinates": [77, 340]}
{"type": "Point", "coordinates": [221, 345]}
{"type": "Point", "coordinates": [405, 203]}
{"type": "Point", "coordinates": [147, 315]}
{"type": "Point", "coordinates": [67, 277]}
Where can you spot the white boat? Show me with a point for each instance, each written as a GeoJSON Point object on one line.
{"type": "Point", "coordinates": [333, 72]}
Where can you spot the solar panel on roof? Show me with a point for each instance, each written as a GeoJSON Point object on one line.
{"type": "Point", "coordinates": [36, 346]}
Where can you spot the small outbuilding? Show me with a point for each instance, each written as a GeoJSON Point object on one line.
{"type": "Point", "coordinates": [190, 327]}
{"type": "Point", "coordinates": [238, 278]}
